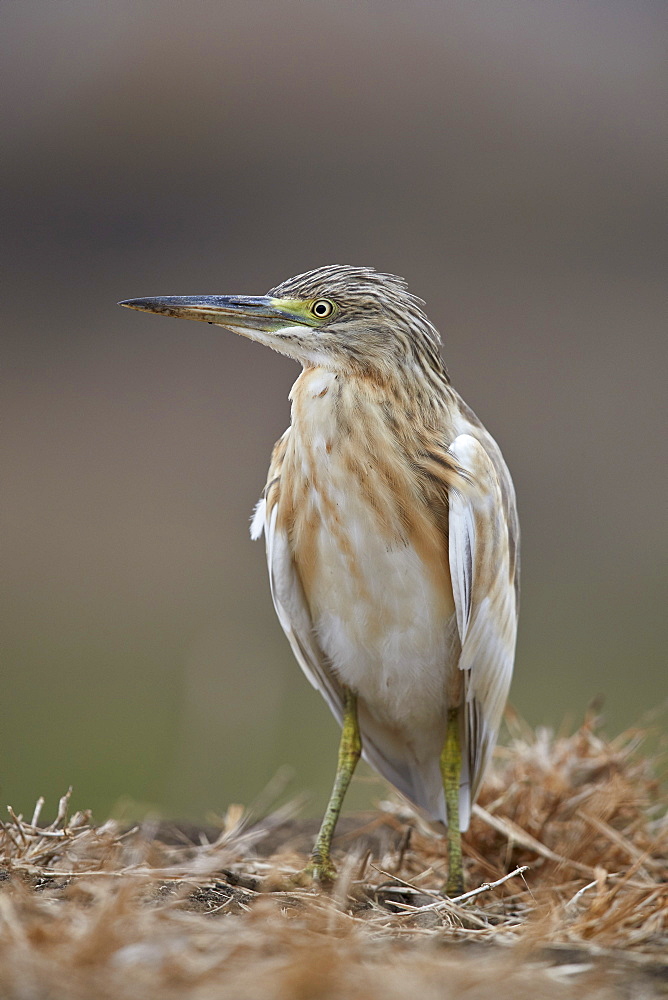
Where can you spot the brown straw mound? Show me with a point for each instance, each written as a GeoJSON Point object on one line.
{"type": "Point", "coordinates": [155, 912]}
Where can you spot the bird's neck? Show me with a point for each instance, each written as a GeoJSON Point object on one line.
{"type": "Point", "coordinates": [379, 412]}
{"type": "Point", "coordinates": [381, 447]}
{"type": "Point", "coordinates": [394, 431]}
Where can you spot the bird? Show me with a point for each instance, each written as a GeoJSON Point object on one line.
{"type": "Point", "coordinates": [392, 539]}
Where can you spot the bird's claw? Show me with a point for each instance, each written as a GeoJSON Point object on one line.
{"type": "Point", "coordinates": [454, 886]}
{"type": "Point", "coordinates": [319, 872]}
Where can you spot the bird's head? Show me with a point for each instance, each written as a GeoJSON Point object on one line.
{"type": "Point", "coordinates": [343, 318]}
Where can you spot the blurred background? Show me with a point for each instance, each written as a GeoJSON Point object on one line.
{"type": "Point", "coordinates": [509, 159]}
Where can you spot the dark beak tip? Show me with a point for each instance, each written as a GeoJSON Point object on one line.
{"type": "Point", "coordinates": [143, 305]}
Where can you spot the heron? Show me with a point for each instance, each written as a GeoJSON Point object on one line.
{"type": "Point", "coordinates": [391, 532]}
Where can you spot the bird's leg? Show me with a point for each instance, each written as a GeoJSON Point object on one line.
{"type": "Point", "coordinates": [320, 867]}
{"type": "Point", "coordinates": [451, 767]}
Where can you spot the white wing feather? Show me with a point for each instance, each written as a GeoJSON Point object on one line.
{"type": "Point", "coordinates": [293, 613]}
{"type": "Point", "coordinates": [485, 599]}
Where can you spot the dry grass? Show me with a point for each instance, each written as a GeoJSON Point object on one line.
{"type": "Point", "coordinates": [95, 912]}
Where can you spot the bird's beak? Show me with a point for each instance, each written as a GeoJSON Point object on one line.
{"type": "Point", "coordinates": [244, 314]}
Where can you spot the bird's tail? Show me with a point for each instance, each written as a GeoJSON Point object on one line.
{"type": "Point", "coordinates": [417, 776]}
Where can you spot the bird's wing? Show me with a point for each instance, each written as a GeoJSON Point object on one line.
{"type": "Point", "coordinates": [482, 526]}
{"type": "Point", "coordinates": [286, 589]}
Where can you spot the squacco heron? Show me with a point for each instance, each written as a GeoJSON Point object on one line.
{"type": "Point", "coordinates": [392, 538]}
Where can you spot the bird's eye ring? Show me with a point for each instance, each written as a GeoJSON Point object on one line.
{"type": "Point", "coordinates": [322, 308]}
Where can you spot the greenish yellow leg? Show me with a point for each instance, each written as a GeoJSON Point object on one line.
{"type": "Point", "coordinates": [320, 866]}
{"type": "Point", "coordinates": [451, 768]}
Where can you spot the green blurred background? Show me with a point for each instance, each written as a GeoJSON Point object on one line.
{"type": "Point", "coordinates": [509, 159]}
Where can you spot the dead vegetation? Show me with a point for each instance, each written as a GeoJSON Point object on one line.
{"type": "Point", "coordinates": [97, 912]}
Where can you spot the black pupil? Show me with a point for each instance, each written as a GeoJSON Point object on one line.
{"type": "Point", "coordinates": [321, 308]}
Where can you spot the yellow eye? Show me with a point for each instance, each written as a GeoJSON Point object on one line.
{"type": "Point", "coordinates": [322, 308]}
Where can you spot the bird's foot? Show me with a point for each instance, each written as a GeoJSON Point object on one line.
{"type": "Point", "coordinates": [455, 884]}
{"type": "Point", "coordinates": [320, 872]}
{"type": "Point", "coordinates": [316, 875]}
